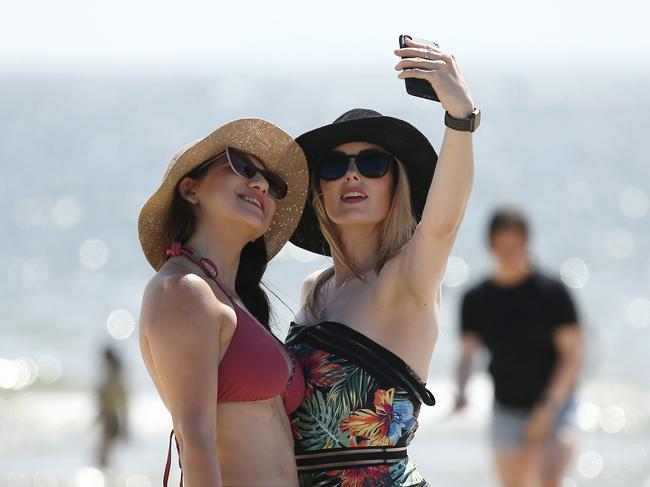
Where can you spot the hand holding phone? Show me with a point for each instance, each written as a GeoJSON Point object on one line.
{"type": "Point", "coordinates": [418, 87]}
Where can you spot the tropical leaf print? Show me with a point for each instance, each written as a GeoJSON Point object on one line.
{"type": "Point", "coordinates": [405, 474]}
{"type": "Point", "coordinates": [352, 392]}
{"type": "Point", "coordinates": [345, 407]}
{"type": "Point", "coordinates": [375, 476]}
{"type": "Point", "coordinates": [322, 369]}
{"type": "Point", "coordinates": [318, 428]}
{"type": "Point", "coordinates": [401, 474]}
{"type": "Point", "coordinates": [384, 425]}
{"type": "Point", "coordinates": [371, 426]}
{"type": "Point", "coordinates": [319, 479]}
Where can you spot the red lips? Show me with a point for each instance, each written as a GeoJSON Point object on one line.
{"type": "Point", "coordinates": [353, 195]}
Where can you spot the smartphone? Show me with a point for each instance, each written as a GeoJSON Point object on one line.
{"type": "Point", "coordinates": [415, 86]}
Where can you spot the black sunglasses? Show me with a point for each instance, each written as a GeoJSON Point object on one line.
{"type": "Point", "coordinates": [371, 163]}
{"type": "Point", "coordinates": [242, 164]}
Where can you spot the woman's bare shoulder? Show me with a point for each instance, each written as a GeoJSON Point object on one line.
{"type": "Point", "coordinates": [181, 301]}
{"type": "Point", "coordinates": [180, 335]}
{"type": "Point", "coordinates": [309, 283]}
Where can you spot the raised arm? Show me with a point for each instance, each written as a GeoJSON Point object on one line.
{"type": "Point", "coordinates": [182, 329]}
{"type": "Point", "coordinates": [425, 258]}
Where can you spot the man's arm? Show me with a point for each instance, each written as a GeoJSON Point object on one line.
{"type": "Point", "coordinates": [470, 345]}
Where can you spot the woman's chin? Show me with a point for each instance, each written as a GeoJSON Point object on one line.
{"type": "Point", "coordinates": [356, 216]}
{"type": "Point", "coordinates": [256, 222]}
{"type": "Point", "coordinates": [356, 220]}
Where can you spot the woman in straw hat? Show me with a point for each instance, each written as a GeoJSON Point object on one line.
{"type": "Point", "coordinates": [368, 325]}
{"type": "Point", "coordinates": [227, 204]}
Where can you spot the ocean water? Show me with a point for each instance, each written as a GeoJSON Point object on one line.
{"type": "Point", "coordinates": [80, 156]}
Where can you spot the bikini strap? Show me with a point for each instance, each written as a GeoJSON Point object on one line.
{"type": "Point", "coordinates": [168, 465]}
{"type": "Point", "coordinates": [207, 266]}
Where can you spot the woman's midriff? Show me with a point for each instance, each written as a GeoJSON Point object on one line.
{"type": "Point", "coordinates": [255, 445]}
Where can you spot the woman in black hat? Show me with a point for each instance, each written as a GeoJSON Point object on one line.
{"type": "Point", "coordinates": [368, 325]}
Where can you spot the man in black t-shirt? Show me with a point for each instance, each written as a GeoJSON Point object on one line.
{"type": "Point", "coordinates": [528, 323]}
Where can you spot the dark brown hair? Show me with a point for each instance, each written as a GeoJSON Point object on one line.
{"type": "Point", "coordinates": [252, 262]}
{"type": "Point", "coordinates": [507, 218]}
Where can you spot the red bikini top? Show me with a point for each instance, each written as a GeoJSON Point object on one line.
{"type": "Point", "coordinates": [253, 367]}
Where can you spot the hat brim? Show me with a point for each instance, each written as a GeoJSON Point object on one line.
{"type": "Point", "coordinates": [398, 137]}
{"type": "Point", "coordinates": [273, 146]}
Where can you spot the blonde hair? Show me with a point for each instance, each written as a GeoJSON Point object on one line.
{"type": "Point", "coordinates": [396, 230]}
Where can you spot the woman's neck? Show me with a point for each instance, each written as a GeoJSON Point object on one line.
{"type": "Point", "coordinates": [222, 248]}
{"type": "Point", "coordinates": [361, 245]}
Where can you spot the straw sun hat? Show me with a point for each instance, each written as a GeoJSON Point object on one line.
{"type": "Point", "coordinates": [269, 143]}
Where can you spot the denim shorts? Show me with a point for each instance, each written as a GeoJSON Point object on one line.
{"type": "Point", "coordinates": [509, 424]}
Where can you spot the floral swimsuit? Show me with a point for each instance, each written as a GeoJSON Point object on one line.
{"type": "Point", "coordinates": [359, 412]}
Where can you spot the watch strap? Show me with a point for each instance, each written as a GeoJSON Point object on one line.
{"type": "Point", "coordinates": [469, 124]}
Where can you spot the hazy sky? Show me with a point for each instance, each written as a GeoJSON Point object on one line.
{"type": "Point", "coordinates": [280, 36]}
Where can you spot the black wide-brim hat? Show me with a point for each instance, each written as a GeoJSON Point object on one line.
{"type": "Point", "coordinates": [400, 138]}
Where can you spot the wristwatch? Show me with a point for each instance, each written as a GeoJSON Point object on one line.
{"type": "Point", "coordinates": [469, 124]}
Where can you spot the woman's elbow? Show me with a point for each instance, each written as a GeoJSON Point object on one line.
{"type": "Point", "coordinates": [196, 430]}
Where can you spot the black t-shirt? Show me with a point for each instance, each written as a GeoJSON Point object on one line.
{"type": "Point", "coordinates": [516, 324]}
